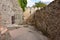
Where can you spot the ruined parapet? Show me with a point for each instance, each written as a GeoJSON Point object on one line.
{"type": "Point", "coordinates": [47, 20]}
{"type": "Point", "coordinates": [9, 8]}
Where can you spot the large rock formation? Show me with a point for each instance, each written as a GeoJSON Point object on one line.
{"type": "Point", "coordinates": [10, 12]}
{"type": "Point", "coordinates": [47, 20]}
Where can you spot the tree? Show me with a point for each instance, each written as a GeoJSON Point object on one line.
{"type": "Point", "coordinates": [39, 4]}
{"type": "Point", "coordinates": [22, 3]}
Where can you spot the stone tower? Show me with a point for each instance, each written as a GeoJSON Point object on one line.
{"type": "Point", "coordinates": [10, 12]}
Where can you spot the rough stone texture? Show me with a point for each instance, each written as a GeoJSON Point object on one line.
{"type": "Point", "coordinates": [47, 20]}
{"type": "Point", "coordinates": [29, 11]}
{"type": "Point", "coordinates": [9, 8]}
{"type": "Point", "coordinates": [6, 36]}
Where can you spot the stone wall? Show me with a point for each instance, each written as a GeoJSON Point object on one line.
{"type": "Point", "coordinates": [9, 8]}
{"type": "Point", "coordinates": [47, 20]}
{"type": "Point", "coordinates": [29, 11]}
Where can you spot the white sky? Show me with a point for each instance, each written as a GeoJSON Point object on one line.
{"type": "Point", "coordinates": [32, 2]}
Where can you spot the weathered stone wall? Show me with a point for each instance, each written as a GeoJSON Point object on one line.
{"type": "Point", "coordinates": [47, 20]}
{"type": "Point", "coordinates": [29, 11]}
{"type": "Point", "coordinates": [9, 8]}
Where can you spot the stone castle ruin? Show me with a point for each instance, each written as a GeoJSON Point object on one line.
{"type": "Point", "coordinates": [46, 20]}
{"type": "Point", "coordinates": [10, 12]}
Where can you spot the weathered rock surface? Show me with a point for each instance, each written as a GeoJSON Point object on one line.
{"type": "Point", "coordinates": [47, 20]}
{"type": "Point", "coordinates": [9, 9]}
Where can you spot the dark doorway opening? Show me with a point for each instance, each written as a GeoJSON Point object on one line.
{"type": "Point", "coordinates": [13, 19]}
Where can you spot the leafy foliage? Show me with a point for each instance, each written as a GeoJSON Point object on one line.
{"type": "Point", "coordinates": [22, 3]}
{"type": "Point", "coordinates": [39, 4]}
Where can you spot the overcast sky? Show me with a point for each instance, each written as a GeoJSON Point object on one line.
{"type": "Point", "coordinates": [32, 2]}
